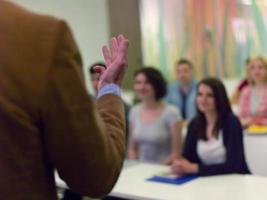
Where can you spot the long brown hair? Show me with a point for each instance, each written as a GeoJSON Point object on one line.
{"type": "Point", "coordinates": [222, 106]}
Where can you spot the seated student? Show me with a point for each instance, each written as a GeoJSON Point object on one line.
{"type": "Point", "coordinates": [182, 92]}
{"type": "Point", "coordinates": [214, 141]}
{"type": "Point", "coordinates": [241, 85]}
{"type": "Point", "coordinates": [253, 99]}
{"type": "Point", "coordinates": [155, 127]}
{"type": "Point", "coordinates": [94, 72]}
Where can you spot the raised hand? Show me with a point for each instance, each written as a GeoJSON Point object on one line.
{"type": "Point", "coordinates": [116, 62]}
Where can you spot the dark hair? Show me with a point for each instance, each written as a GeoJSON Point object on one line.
{"type": "Point", "coordinates": [185, 61]}
{"type": "Point", "coordinates": [155, 78]}
{"type": "Point", "coordinates": [91, 67]}
{"type": "Point", "coordinates": [222, 106]}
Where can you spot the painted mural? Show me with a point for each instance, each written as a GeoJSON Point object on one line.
{"type": "Point", "coordinates": [216, 35]}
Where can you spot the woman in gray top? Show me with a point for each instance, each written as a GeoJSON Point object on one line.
{"type": "Point", "coordinates": [155, 126]}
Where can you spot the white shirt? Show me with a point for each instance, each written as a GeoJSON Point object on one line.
{"type": "Point", "coordinates": [212, 151]}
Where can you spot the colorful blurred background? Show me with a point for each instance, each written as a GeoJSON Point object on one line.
{"type": "Point", "coordinates": [217, 35]}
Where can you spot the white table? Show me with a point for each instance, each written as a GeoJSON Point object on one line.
{"type": "Point", "coordinates": [62, 185]}
{"type": "Point", "coordinates": [256, 153]}
{"type": "Point", "coordinates": [132, 184]}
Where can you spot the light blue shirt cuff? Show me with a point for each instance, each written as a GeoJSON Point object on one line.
{"type": "Point", "coordinates": [109, 89]}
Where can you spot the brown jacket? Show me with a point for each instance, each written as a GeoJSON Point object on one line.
{"type": "Point", "coordinates": [47, 120]}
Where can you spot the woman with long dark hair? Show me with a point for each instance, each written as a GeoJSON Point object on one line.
{"type": "Point", "coordinates": [214, 141]}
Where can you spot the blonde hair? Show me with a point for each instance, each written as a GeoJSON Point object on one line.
{"type": "Point", "coordinates": [264, 64]}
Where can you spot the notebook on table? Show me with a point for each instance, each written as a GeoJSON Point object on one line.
{"type": "Point", "coordinates": [168, 177]}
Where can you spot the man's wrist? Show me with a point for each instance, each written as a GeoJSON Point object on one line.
{"type": "Point", "coordinates": [109, 89]}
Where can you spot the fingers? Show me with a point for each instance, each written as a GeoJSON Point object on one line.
{"type": "Point", "coordinates": [122, 40]}
{"type": "Point", "coordinates": [116, 60]}
{"type": "Point", "coordinates": [175, 165]}
{"type": "Point", "coordinates": [119, 50]}
{"type": "Point", "coordinates": [106, 55]}
{"type": "Point", "coordinates": [123, 47]}
{"type": "Point", "coordinates": [176, 169]}
{"type": "Point", "coordinates": [114, 48]}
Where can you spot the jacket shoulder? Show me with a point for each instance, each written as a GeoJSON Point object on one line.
{"type": "Point", "coordinates": [27, 18]}
{"type": "Point", "coordinates": [232, 122]}
{"type": "Point", "coordinates": [231, 118]}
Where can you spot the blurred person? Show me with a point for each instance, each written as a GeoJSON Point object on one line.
{"type": "Point", "coordinates": [214, 141]}
{"type": "Point", "coordinates": [47, 119]}
{"type": "Point", "coordinates": [241, 85]}
{"type": "Point", "coordinates": [94, 70]}
{"type": "Point", "coordinates": [182, 92]}
{"type": "Point", "coordinates": [253, 99]}
{"type": "Point", "coordinates": [155, 126]}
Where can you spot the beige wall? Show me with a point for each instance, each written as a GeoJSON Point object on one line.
{"type": "Point", "coordinates": [88, 20]}
{"type": "Point", "coordinates": [124, 18]}
{"type": "Point", "coordinates": [93, 23]}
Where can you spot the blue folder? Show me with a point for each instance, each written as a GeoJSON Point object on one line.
{"type": "Point", "coordinates": [177, 181]}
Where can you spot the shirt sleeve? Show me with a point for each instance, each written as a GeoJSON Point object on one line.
{"type": "Point", "coordinates": [173, 115]}
{"type": "Point", "coordinates": [132, 114]}
{"type": "Point", "coordinates": [109, 89]}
